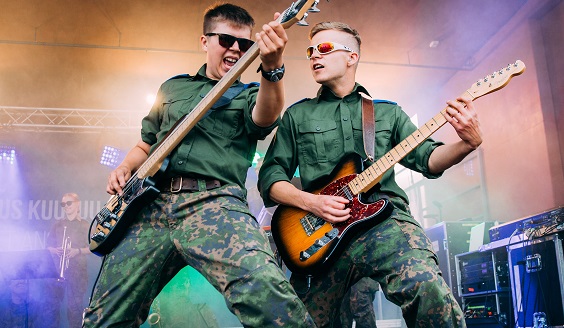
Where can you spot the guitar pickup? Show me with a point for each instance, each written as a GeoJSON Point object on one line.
{"type": "Point", "coordinates": [99, 236]}
{"type": "Point", "coordinates": [318, 244]}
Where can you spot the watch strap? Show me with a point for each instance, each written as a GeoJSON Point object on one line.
{"type": "Point", "coordinates": [274, 75]}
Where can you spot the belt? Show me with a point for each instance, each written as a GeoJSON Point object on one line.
{"type": "Point", "coordinates": [178, 184]}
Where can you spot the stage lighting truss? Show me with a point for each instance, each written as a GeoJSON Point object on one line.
{"type": "Point", "coordinates": [7, 154]}
{"type": "Point", "coordinates": [69, 119]}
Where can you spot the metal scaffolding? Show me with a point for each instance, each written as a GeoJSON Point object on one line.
{"type": "Point", "coordinates": [68, 119]}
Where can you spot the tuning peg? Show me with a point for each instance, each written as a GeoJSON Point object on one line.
{"type": "Point", "coordinates": [314, 8]}
{"type": "Point", "coordinates": [302, 22]}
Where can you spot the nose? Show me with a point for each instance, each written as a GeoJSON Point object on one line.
{"type": "Point", "coordinates": [235, 46]}
{"type": "Point", "coordinates": [314, 53]}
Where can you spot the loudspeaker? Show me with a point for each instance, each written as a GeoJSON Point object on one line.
{"type": "Point", "coordinates": [450, 239]}
{"type": "Point", "coordinates": [537, 279]}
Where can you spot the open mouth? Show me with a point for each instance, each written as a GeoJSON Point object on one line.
{"type": "Point", "coordinates": [317, 67]}
{"type": "Point", "coordinates": [230, 61]}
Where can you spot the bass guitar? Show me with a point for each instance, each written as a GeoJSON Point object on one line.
{"type": "Point", "coordinates": [114, 218]}
{"type": "Point", "coordinates": [307, 244]}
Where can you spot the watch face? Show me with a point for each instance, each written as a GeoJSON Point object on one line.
{"type": "Point", "coordinates": [276, 77]}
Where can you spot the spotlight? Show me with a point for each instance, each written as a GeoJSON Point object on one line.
{"type": "Point", "coordinates": [7, 154]}
{"type": "Point", "coordinates": [111, 156]}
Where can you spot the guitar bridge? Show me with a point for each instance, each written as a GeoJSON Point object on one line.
{"type": "Point", "coordinates": [311, 223]}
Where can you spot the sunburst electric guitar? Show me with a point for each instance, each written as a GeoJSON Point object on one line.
{"type": "Point", "coordinates": [114, 218]}
{"type": "Point", "coordinates": [307, 243]}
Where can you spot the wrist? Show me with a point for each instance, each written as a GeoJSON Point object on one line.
{"type": "Point", "coordinates": [274, 75]}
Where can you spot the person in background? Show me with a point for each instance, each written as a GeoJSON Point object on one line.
{"type": "Point", "coordinates": [201, 217]}
{"type": "Point", "coordinates": [69, 235]}
{"type": "Point", "coordinates": [315, 135]}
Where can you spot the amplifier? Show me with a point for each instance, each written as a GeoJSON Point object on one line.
{"type": "Point", "coordinates": [484, 288]}
{"type": "Point", "coordinates": [488, 311]}
{"type": "Point", "coordinates": [482, 272]}
{"type": "Point", "coordinates": [448, 240]}
{"type": "Point", "coordinates": [547, 222]}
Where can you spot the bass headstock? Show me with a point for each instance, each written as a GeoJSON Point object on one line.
{"type": "Point", "coordinates": [496, 80]}
{"type": "Point", "coordinates": [297, 13]}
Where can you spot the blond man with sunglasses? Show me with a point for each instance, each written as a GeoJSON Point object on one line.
{"type": "Point", "coordinates": [201, 216]}
{"type": "Point", "coordinates": [314, 136]}
{"type": "Point", "coordinates": [68, 231]}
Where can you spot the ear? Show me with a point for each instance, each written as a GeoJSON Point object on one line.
{"type": "Point", "coordinates": [353, 59]}
{"type": "Point", "coordinates": [204, 42]}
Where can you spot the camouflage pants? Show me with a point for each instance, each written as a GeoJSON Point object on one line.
{"type": "Point", "coordinates": [358, 304]}
{"type": "Point", "coordinates": [398, 255]}
{"type": "Point", "coordinates": [213, 232]}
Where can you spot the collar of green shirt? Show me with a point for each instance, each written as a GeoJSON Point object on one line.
{"type": "Point", "coordinates": [326, 93]}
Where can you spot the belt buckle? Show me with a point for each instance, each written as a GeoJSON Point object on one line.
{"type": "Point", "coordinates": [172, 187]}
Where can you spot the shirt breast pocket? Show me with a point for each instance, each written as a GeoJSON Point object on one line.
{"type": "Point", "coordinates": [318, 141]}
{"type": "Point", "coordinates": [173, 109]}
{"type": "Point", "coordinates": [224, 121]}
{"type": "Point", "coordinates": [383, 133]}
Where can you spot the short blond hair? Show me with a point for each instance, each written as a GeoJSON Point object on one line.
{"type": "Point", "coordinates": [72, 195]}
{"type": "Point", "coordinates": [337, 26]}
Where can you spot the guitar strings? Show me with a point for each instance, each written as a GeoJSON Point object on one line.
{"type": "Point", "coordinates": [340, 192]}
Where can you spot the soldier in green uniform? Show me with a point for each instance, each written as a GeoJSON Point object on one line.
{"type": "Point", "coordinates": [314, 136]}
{"type": "Point", "coordinates": [201, 217]}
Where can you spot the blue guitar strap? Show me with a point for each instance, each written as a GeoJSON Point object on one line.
{"type": "Point", "coordinates": [228, 95]}
{"type": "Point", "coordinates": [226, 98]}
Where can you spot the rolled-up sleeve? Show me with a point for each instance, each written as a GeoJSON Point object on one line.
{"type": "Point", "coordinates": [280, 162]}
{"type": "Point", "coordinates": [418, 159]}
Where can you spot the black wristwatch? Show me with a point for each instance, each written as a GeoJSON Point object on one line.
{"type": "Point", "coordinates": [274, 75]}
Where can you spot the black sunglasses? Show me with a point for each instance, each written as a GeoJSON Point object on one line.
{"type": "Point", "coordinates": [227, 41]}
{"type": "Point", "coordinates": [67, 203]}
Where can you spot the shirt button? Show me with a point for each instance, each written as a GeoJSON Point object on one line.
{"type": "Point", "coordinates": [180, 162]}
{"type": "Point", "coordinates": [348, 138]}
{"type": "Point", "coordinates": [317, 128]}
{"type": "Point", "coordinates": [345, 119]}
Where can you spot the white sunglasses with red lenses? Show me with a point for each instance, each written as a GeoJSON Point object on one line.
{"type": "Point", "coordinates": [325, 48]}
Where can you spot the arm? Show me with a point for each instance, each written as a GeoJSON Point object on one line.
{"type": "Point", "coordinates": [279, 165]}
{"type": "Point", "coordinates": [78, 251]}
{"type": "Point", "coordinates": [462, 116]}
{"type": "Point", "coordinates": [330, 208]}
{"type": "Point", "coordinates": [132, 161]}
{"type": "Point", "coordinates": [270, 99]}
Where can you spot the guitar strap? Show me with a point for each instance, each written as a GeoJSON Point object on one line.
{"type": "Point", "coordinates": [228, 95]}
{"type": "Point", "coordinates": [368, 125]}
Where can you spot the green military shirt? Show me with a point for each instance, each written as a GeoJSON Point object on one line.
{"type": "Point", "coordinates": [315, 134]}
{"type": "Point", "coordinates": [222, 145]}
